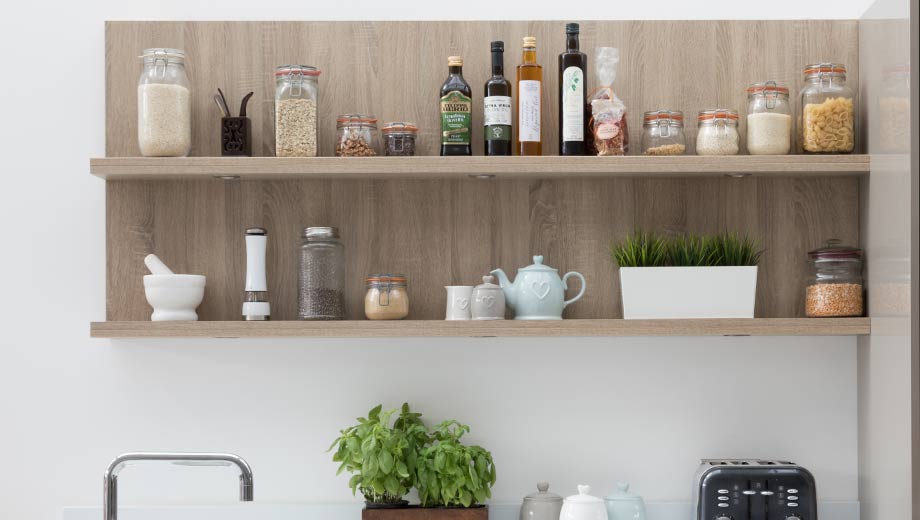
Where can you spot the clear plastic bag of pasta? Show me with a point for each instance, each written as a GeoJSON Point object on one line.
{"type": "Point", "coordinates": [608, 113]}
{"type": "Point", "coordinates": [828, 110]}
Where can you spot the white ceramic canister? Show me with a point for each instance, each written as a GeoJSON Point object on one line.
{"type": "Point", "coordinates": [541, 505]}
{"type": "Point", "coordinates": [488, 302]}
{"type": "Point", "coordinates": [623, 505]}
{"type": "Point", "coordinates": [458, 302]}
{"type": "Point", "coordinates": [583, 506]}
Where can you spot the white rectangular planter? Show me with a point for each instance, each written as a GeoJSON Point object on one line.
{"type": "Point", "coordinates": [688, 292]}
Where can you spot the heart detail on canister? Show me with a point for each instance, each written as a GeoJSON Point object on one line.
{"type": "Point", "coordinates": [543, 290]}
{"type": "Point", "coordinates": [488, 300]}
{"type": "Point", "coordinates": [462, 303]}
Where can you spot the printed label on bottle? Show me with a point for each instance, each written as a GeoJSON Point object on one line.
{"type": "Point", "coordinates": [529, 110]}
{"type": "Point", "coordinates": [456, 118]}
{"type": "Point", "coordinates": [497, 118]}
{"type": "Point", "coordinates": [573, 95]}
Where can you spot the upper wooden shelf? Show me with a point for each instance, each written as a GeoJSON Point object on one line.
{"type": "Point", "coordinates": [270, 168]}
{"type": "Point", "coordinates": [501, 328]}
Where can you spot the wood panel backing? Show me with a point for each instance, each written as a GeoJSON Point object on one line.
{"type": "Point", "coordinates": [450, 232]}
{"type": "Point", "coordinates": [394, 70]}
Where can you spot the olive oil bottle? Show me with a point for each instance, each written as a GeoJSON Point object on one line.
{"type": "Point", "coordinates": [572, 66]}
{"type": "Point", "coordinates": [496, 106]}
{"type": "Point", "coordinates": [456, 111]}
{"type": "Point", "coordinates": [530, 98]}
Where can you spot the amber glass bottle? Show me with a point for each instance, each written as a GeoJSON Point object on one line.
{"type": "Point", "coordinates": [456, 111]}
{"type": "Point", "coordinates": [529, 139]}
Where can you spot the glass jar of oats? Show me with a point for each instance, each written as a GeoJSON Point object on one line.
{"type": "Point", "coordinates": [164, 111]}
{"type": "Point", "coordinates": [828, 110]}
{"type": "Point", "coordinates": [296, 95]}
{"type": "Point", "coordinates": [835, 282]}
{"type": "Point", "coordinates": [386, 297]}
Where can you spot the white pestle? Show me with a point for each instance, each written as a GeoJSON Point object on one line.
{"type": "Point", "coordinates": [156, 265]}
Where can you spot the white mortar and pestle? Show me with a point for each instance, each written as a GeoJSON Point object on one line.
{"type": "Point", "coordinates": [174, 297]}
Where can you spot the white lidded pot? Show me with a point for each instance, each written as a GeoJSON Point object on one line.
{"type": "Point", "coordinates": [583, 506]}
{"type": "Point", "coordinates": [623, 505]}
{"type": "Point", "coordinates": [541, 505]}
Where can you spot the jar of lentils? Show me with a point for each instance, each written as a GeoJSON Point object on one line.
{"type": "Point", "coordinates": [321, 294]}
{"type": "Point", "coordinates": [663, 133]}
{"type": "Point", "coordinates": [717, 132]}
{"type": "Point", "coordinates": [828, 110]}
{"type": "Point", "coordinates": [356, 136]}
{"type": "Point", "coordinates": [769, 119]}
{"type": "Point", "coordinates": [399, 139]}
{"type": "Point", "coordinates": [835, 283]}
{"type": "Point", "coordinates": [387, 297]}
{"type": "Point", "coordinates": [296, 95]}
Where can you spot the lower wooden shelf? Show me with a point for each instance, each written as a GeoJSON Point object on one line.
{"type": "Point", "coordinates": [504, 328]}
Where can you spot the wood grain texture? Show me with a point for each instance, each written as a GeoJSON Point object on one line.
{"type": "Point", "coordinates": [394, 70]}
{"type": "Point", "coordinates": [275, 168]}
{"type": "Point", "coordinates": [506, 328]}
{"type": "Point", "coordinates": [451, 232]}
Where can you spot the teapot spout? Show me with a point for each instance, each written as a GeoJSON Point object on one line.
{"type": "Point", "coordinates": [505, 284]}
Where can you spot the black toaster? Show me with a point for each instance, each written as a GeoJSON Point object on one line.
{"type": "Point", "coordinates": [754, 489]}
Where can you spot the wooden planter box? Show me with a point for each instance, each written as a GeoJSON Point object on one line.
{"type": "Point", "coordinates": [427, 513]}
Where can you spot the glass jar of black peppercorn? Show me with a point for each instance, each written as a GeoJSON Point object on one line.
{"type": "Point", "coordinates": [399, 139]}
{"type": "Point", "coordinates": [321, 286]}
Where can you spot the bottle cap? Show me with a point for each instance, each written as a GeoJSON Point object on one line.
{"type": "Point", "coordinates": [571, 28]}
{"type": "Point", "coordinates": [530, 42]}
{"type": "Point", "coordinates": [498, 46]}
{"type": "Point", "coordinates": [454, 61]}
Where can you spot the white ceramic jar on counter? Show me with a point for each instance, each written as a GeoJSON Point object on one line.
{"type": "Point", "coordinates": [488, 300]}
{"type": "Point", "coordinates": [541, 505]}
{"type": "Point", "coordinates": [623, 505]}
{"type": "Point", "coordinates": [583, 506]}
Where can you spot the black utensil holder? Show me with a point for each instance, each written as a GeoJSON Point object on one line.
{"type": "Point", "coordinates": [235, 137]}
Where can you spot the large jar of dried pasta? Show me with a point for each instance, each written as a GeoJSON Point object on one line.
{"type": "Point", "coordinates": [828, 110]}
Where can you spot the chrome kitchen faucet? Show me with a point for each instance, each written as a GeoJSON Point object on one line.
{"type": "Point", "coordinates": [110, 479]}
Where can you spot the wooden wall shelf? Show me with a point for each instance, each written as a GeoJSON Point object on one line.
{"type": "Point", "coordinates": [504, 328]}
{"type": "Point", "coordinates": [274, 168]}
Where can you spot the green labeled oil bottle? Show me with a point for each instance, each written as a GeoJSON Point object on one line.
{"type": "Point", "coordinates": [456, 111]}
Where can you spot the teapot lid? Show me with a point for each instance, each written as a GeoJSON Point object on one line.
{"type": "Point", "coordinates": [583, 497]}
{"type": "Point", "coordinates": [622, 493]}
{"type": "Point", "coordinates": [537, 265]}
{"type": "Point", "coordinates": [488, 283]}
{"type": "Point", "coordinates": [543, 494]}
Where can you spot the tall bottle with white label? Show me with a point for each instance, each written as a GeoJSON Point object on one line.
{"type": "Point", "coordinates": [572, 66]}
{"type": "Point", "coordinates": [496, 106]}
{"type": "Point", "coordinates": [529, 139]}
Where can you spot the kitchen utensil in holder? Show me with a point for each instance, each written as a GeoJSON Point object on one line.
{"type": "Point", "coordinates": [235, 137]}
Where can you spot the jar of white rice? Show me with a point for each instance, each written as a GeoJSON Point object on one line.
{"type": "Point", "coordinates": [164, 114]}
{"type": "Point", "coordinates": [769, 119]}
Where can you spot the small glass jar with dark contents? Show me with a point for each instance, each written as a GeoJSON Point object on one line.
{"type": "Point", "coordinates": [399, 139]}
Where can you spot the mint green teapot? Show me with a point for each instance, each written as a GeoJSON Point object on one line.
{"type": "Point", "coordinates": [537, 292]}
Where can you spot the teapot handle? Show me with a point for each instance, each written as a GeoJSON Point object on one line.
{"type": "Point", "coordinates": [565, 285]}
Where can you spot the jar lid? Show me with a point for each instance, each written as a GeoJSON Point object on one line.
{"type": "Point", "coordinates": [320, 232]}
{"type": "Point", "coordinates": [622, 493]}
{"type": "Point", "coordinates": [825, 68]}
{"type": "Point", "coordinates": [766, 87]}
{"type": "Point", "coordinates": [488, 283]}
{"type": "Point", "coordinates": [454, 61]}
{"type": "Point", "coordinates": [163, 52]}
{"type": "Point", "coordinates": [359, 119]}
{"type": "Point", "coordinates": [583, 497]}
{"type": "Point", "coordinates": [656, 117]}
{"type": "Point", "coordinates": [719, 115]}
{"type": "Point", "coordinates": [387, 279]}
{"type": "Point", "coordinates": [399, 128]}
{"type": "Point", "coordinates": [306, 70]}
{"type": "Point", "coordinates": [542, 494]}
{"type": "Point", "coordinates": [832, 250]}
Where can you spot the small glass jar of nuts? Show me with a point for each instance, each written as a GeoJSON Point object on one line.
{"type": "Point", "coordinates": [835, 283]}
{"type": "Point", "coordinates": [356, 135]}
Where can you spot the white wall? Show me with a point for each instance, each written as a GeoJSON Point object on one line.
{"type": "Point", "coordinates": [590, 410]}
